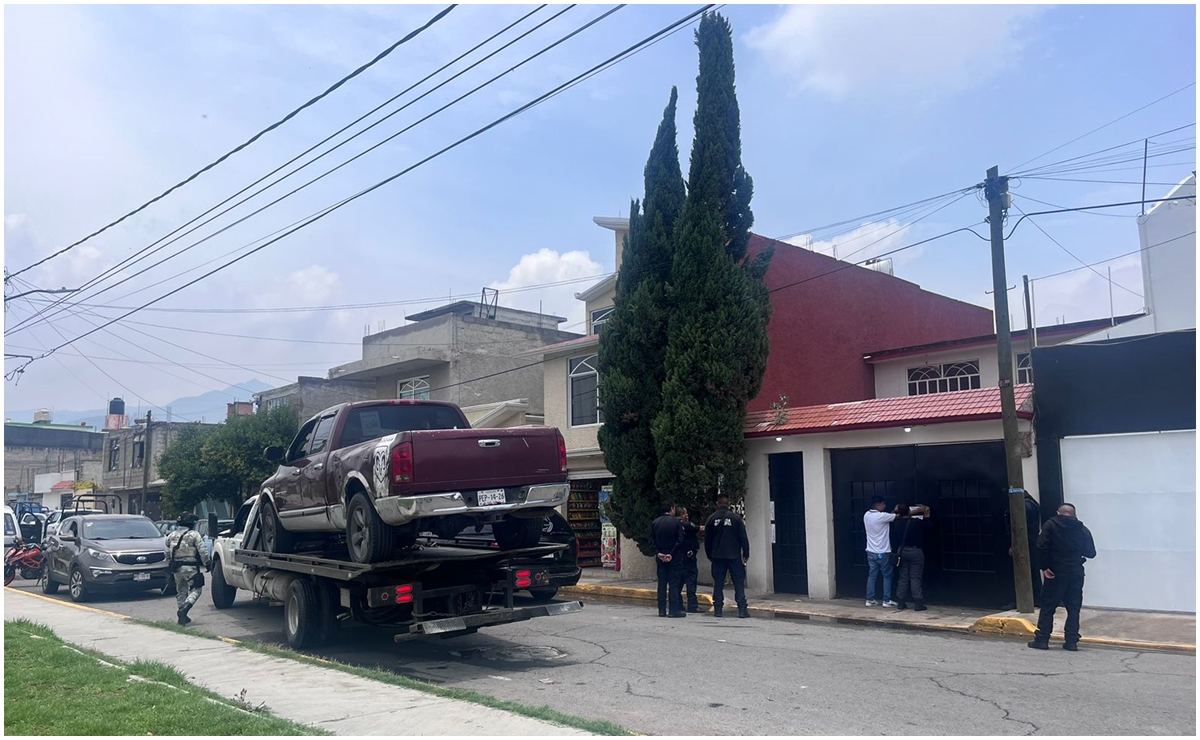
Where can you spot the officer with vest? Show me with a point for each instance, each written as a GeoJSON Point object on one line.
{"type": "Point", "coordinates": [186, 554]}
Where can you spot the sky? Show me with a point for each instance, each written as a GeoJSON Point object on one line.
{"type": "Point", "coordinates": [846, 111]}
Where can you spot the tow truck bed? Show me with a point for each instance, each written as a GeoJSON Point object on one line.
{"type": "Point", "coordinates": [418, 560]}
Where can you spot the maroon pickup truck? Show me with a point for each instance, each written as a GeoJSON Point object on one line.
{"type": "Point", "coordinates": [382, 472]}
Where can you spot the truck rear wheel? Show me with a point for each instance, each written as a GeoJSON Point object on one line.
{"type": "Point", "coordinates": [302, 615]}
{"type": "Point", "coordinates": [515, 534]}
{"type": "Point", "coordinates": [222, 593]}
{"type": "Point", "coordinates": [331, 606]}
{"type": "Point", "coordinates": [369, 538]}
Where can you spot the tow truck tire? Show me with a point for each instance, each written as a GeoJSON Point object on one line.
{"type": "Point", "coordinates": [544, 594]}
{"type": "Point", "coordinates": [275, 538]}
{"type": "Point", "coordinates": [369, 538]}
{"type": "Point", "coordinates": [222, 593]}
{"type": "Point", "coordinates": [330, 606]}
{"type": "Point", "coordinates": [515, 534]}
{"type": "Point", "coordinates": [302, 615]}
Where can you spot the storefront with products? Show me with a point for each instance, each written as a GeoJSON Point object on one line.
{"type": "Point", "coordinates": [596, 537]}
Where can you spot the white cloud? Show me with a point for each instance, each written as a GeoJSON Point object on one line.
{"type": "Point", "coordinates": [548, 266]}
{"type": "Point", "coordinates": [893, 51]}
{"type": "Point", "coordinates": [871, 239]}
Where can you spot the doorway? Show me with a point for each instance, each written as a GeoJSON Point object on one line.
{"type": "Point", "coordinates": [789, 547]}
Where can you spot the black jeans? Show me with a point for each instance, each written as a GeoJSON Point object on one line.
{"type": "Point", "coordinates": [1067, 589]}
{"type": "Point", "coordinates": [912, 572]}
{"type": "Point", "coordinates": [690, 574]}
{"type": "Point", "coordinates": [670, 575]}
{"type": "Point", "coordinates": [731, 566]}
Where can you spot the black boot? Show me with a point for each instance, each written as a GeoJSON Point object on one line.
{"type": "Point", "coordinates": [919, 606]}
{"type": "Point", "coordinates": [716, 611]}
{"type": "Point", "coordinates": [1038, 644]}
{"type": "Point", "coordinates": [901, 606]}
{"type": "Point", "coordinates": [1072, 646]}
{"type": "Point", "coordinates": [182, 613]}
{"type": "Point", "coordinates": [743, 612]}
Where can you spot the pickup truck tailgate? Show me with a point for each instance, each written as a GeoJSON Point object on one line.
{"type": "Point", "coordinates": [485, 458]}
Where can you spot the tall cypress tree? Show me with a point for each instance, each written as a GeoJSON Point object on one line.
{"type": "Point", "coordinates": [633, 343]}
{"type": "Point", "coordinates": [717, 334]}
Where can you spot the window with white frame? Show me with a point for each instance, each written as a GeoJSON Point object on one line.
{"type": "Point", "coordinates": [584, 383]}
{"type": "Point", "coordinates": [600, 317]}
{"type": "Point", "coordinates": [945, 378]}
{"type": "Point", "coordinates": [1024, 368]}
{"type": "Point", "coordinates": [414, 388]}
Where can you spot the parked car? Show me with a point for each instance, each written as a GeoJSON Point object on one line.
{"type": "Point", "coordinates": [382, 471]}
{"type": "Point", "coordinates": [53, 519]}
{"type": "Point", "coordinates": [103, 552]}
{"type": "Point", "coordinates": [563, 565]}
{"type": "Point", "coordinates": [11, 533]}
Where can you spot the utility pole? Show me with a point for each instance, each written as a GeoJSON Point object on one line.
{"type": "Point", "coordinates": [1030, 330]}
{"type": "Point", "coordinates": [146, 455]}
{"type": "Point", "coordinates": [996, 190]}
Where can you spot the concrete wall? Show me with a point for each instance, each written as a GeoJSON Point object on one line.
{"type": "Point", "coordinates": [22, 464]}
{"type": "Point", "coordinates": [126, 476]}
{"type": "Point", "coordinates": [891, 376]}
{"type": "Point", "coordinates": [818, 491]}
{"type": "Point", "coordinates": [604, 300]}
{"type": "Point", "coordinates": [1168, 242]}
{"type": "Point", "coordinates": [580, 438]}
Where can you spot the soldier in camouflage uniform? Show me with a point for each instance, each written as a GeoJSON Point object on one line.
{"type": "Point", "coordinates": [186, 554]}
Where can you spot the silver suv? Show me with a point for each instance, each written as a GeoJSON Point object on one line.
{"type": "Point", "coordinates": [105, 552]}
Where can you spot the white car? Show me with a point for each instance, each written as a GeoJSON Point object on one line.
{"type": "Point", "coordinates": [11, 531]}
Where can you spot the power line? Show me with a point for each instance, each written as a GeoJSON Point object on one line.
{"type": "Point", "coordinates": [907, 226]}
{"type": "Point", "coordinates": [1055, 205]}
{"type": "Point", "coordinates": [413, 34]}
{"type": "Point", "coordinates": [112, 270]}
{"type": "Point", "coordinates": [1103, 182]}
{"type": "Point", "coordinates": [1101, 128]}
{"type": "Point", "coordinates": [1073, 256]}
{"type": "Point", "coordinates": [877, 214]}
{"type": "Point", "coordinates": [536, 101]}
{"type": "Point", "coordinates": [1113, 259]}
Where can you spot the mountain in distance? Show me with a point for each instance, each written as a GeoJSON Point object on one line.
{"type": "Point", "coordinates": [209, 407]}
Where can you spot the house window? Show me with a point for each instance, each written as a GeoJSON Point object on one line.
{"type": "Point", "coordinates": [114, 456]}
{"type": "Point", "coordinates": [139, 453]}
{"type": "Point", "coordinates": [584, 389]}
{"type": "Point", "coordinates": [1024, 368]}
{"type": "Point", "coordinates": [414, 388]}
{"type": "Point", "coordinates": [600, 317]}
{"type": "Point", "coordinates": [952, 376]}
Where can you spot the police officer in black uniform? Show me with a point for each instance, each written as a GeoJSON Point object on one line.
{"type": "Point", "coordinates": [666, 534]}
{"type": "Point", "coordinates": [691, 547]}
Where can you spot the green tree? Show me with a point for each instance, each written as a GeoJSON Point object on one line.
{"type": "Point", "coordinates": [633, 343]}
{"type": "Point", "coordinates": [717, 335]}
{"type": "Point", "coordinates": [222, 463]}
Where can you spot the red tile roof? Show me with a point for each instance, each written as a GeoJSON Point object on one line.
{"type": "Point", "coordinates": [62, 486]}
{"type": "Point", "coordinates": [877, 413]}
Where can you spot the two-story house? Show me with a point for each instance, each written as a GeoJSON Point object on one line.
{"type": "Point", "coordinates": [126, 458]}
{"type": "Point", "coordinates": [1116, 426]}
{"type": "Point", "coordinates": [820, 331]}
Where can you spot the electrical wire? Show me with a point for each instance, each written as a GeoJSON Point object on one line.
{"type": "Point", "coordinates": [1089, 213]}
{"type": "Point", "coordinates": [1110, 123]}
{"type": "Point", "coordinates": [1096, 208]}
{"type": "Point", "coordinates": [1074, 256]}
{"type": "Point", "coordinates": [1103, 182]}
{"type": "Point", "coordinates": [687, 19]}
{"type": "Point", "coordinates": [411, 35]}
{"type": "Point", "coordinates": [1113, 259]}
{"type": "Point", "coordinates": [325, 174]}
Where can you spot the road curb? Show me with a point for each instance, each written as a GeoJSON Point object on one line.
{"type": "Point", "coordinates": [995, 625]}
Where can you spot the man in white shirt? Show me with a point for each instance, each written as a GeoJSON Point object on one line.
{"type": "Point", "coordinates": [877, 523]}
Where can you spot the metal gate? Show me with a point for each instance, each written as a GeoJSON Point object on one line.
{"type": "Point", "coordinates": [790, 546]}
{"type": "Point", "coordinates": [966, 547]}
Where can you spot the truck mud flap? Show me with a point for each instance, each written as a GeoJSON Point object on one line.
{"type": "Point", "coordinates": [471, 622]}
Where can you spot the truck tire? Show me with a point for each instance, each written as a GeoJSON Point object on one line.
{"type": "Point", "coordinates": [302, 615]}
{"type": "Point", "coordinates": [515, 534]}
{"type": "Point", "coordinates": [49, 585]}
{"type": "Point", "coordinates": [544, 594]}
{"type": "Point", "coordinates": [222, 593]}
{"type": "Point", "coordinates": [275, 538]}
{"type": "Point", "coordinates": [330, 607]}
{"type": "Point", "coordinates": [369, 538]}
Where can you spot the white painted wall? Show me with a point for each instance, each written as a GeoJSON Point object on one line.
{"type": "Point", "coordinates": [818, 491]}
{"type": "Point", "coordinates": [1137, 495]}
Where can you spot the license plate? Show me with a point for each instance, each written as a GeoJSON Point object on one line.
{"type": "Point", "coordinates": [490, 498]}
{"type": "Point", "coordinates": [141, 576]}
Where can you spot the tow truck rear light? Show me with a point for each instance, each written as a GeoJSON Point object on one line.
{"type": "Point", "coordinates": [404, 594]}
{"type": "Point", "coordinates": [402, 463]}
{"type": "Point", "coordinates": [524, 579]}
{"type": "Point", "coordinates": [562, 452]}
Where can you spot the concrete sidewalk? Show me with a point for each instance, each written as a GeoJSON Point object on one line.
{"type": "Point", "coordinates": [321, 697]}
{"type": "Point", "coordinates": [1114, 628]}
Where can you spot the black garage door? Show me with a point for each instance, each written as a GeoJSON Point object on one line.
{"type": "Point", "coordinates": [967, 562]}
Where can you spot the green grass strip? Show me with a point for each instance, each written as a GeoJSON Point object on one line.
{"type": "Point", "coordinates": [53, 688]}
{"type": "Point", "coordinates": [544, 713]}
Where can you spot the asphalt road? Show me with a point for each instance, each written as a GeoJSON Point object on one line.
{"type": "Point", "coordinates": [704, 676]}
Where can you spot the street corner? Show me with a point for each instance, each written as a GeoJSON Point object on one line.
{"type": "Point", "coordinates": [1005, 624]}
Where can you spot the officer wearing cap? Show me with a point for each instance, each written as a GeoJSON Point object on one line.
{"type": "Point", "coordinates": [187, 553]}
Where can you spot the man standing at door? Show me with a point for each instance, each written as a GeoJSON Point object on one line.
{"type": "Point", "coordinates": [666, 534]}
{"type": "Point", "coordinates": [877, 523]}
{"type": "Point", "coordinates": [1062, 546]}
{"type": "Point", "coordinates": [728, 549]}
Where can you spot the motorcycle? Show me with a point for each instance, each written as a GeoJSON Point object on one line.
{"type": "Point", "coordinates": [26, 559]}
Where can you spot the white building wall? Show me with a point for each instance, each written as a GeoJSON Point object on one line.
{"type": "Point", "coordinates": [818, 491]}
